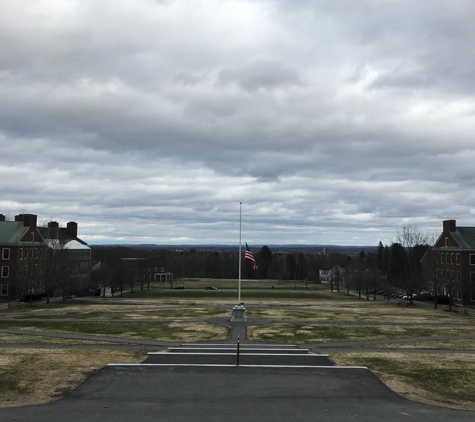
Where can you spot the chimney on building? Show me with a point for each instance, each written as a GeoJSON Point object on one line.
{"type": "Point", "coordinates": [29, 220]}
{"type": "Point", "coordinates": [449, 225]}
{"type": "Point", "coordinates": [72, 228]}
{"type": "Point", "coordinates": [53, 225]}
{"type": "Point", "coordinates": [2, 217]}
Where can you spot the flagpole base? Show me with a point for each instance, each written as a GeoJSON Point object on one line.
{"type": "Point", "coordinates": [239, 314]}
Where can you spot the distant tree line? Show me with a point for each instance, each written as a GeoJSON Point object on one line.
{"type": "Point", "coordinates": [398, 266]}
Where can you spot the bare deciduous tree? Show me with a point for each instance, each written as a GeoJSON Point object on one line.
{"type": "Point", "coordinates": [414, 243]}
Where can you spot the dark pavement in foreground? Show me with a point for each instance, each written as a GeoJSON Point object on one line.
{"type": "Point", "coordinates": [199, 382]}
{"type": "Point", "coordinates": [218, 394]}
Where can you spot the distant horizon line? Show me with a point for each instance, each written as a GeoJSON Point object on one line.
{"type": "Point", "coordinates": [231, 245]}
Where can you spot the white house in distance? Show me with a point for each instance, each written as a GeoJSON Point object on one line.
{"type": "Point", "coordinates": [328, 273]}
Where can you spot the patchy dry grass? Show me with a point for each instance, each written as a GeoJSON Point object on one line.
{"type": "Point", "coordinates": [342, 314]}
{"type": "Point", "coordinates": [30, 376]}
{"type": "Point", "coordinates": [134, 313]}
{"type": "Point", "coordinates": [33, 376]}
{"type": "Point", "coordinates": [163, 331]}
{"type": "Point", "coordinates": [28, 339]}
{"type": "Point", "coordinates": [468, 344]}
{"type": "Point", "coordinates": [307, 334]}
{"type": "Point", "coordinates": [445, 379]}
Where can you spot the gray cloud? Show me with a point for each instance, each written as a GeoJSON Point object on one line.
{"type": "Point", "coordinates": [261, 74]}
{"type": "Point", "coordinates": [333, 122]}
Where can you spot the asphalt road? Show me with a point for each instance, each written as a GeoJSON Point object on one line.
{"type": "Point", "coordinates": [203, 383]}
{"type": "Point", "coordinates": [232, 394]}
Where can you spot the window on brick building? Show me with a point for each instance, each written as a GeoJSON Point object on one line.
{"type": "Point", "coordinates": [3, 289]}
{"type": "Point", "coordinates": [5, 271]}
{"type": "Point", "coordinates": [472, 259]}
{"type": "Point", "coordinates": [5, 253]}
{"type": "Point", "coordinates": [457, 259]}
{"type": "Point", "coordinates": [472, 277]}
{"type": "Point", "coordinates": [452, 258]}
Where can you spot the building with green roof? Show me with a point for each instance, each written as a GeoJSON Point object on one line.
{"type": "Point", "coordinates": [454, 254]}
{"type": "Point", "coordinates": [24, 250]}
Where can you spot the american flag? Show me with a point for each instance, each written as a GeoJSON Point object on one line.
{"type": "Point", "coordinates": [248, 255]}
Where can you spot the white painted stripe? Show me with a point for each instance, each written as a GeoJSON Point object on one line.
{"type": "Point", "coordinates": [234, 348]}
{"type": "Point", "coordinates": [230, 365]}
{"type": "Point", "coordinates": [235, 354]}
{"type": "Point", "coordinates": [234, 344]}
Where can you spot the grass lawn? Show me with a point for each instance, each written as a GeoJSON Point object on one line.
{"type": "Point", "coordinates": [164, 331]}
{"type": "Point", "coordinates": [308, 334]}
{"type": "Point", "coordinates": [251, 289]}
{"type": "Point", "coordinates": [26, 339]}
{"type": "Point", "coordinates": [338, 313]}
{"type": "Point", "coordinates": [30, 376]}
{"type": "Point", "coordinates": [33, 376]}
{"type": "Point", "coordinates": [228, 294]}
{"type": "Point", "coordinates": [447, 379]}
{"type": "Point", "coordinates": [135, 313]}
{"type": "Point", "coordinates": [447, 345]}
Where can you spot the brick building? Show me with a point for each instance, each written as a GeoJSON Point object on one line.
{"type": "Point", "coordinates": [454, 254]}
{"type": "Point", "coordinates": [24, 248]}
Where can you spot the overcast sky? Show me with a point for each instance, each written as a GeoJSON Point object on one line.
{"type": "Point", "coordinates": [148, 121]}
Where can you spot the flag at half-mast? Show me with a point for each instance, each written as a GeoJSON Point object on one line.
{"type": "Point", "coordinates": [248, 255]}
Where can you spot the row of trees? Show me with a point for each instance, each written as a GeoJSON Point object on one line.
{"type": "Point", "coordinates": [223, 264]}
{"type": "Point", "coordinates": [397, 266]}
{"type": "Point", "coordinates": [407, 265]}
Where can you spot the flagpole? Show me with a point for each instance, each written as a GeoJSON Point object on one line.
{"type": "Point", "coordinates": [239, 311]}
{"type": "Point", "coordinates": [239, 280]}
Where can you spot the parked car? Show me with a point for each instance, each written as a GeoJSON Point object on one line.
{"type": "Point", "coordinates": [211, 288]}
{"type": "Point", "coordinates": [93, 292]}
{"type": "Point", "coordinates": [179, 288]}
